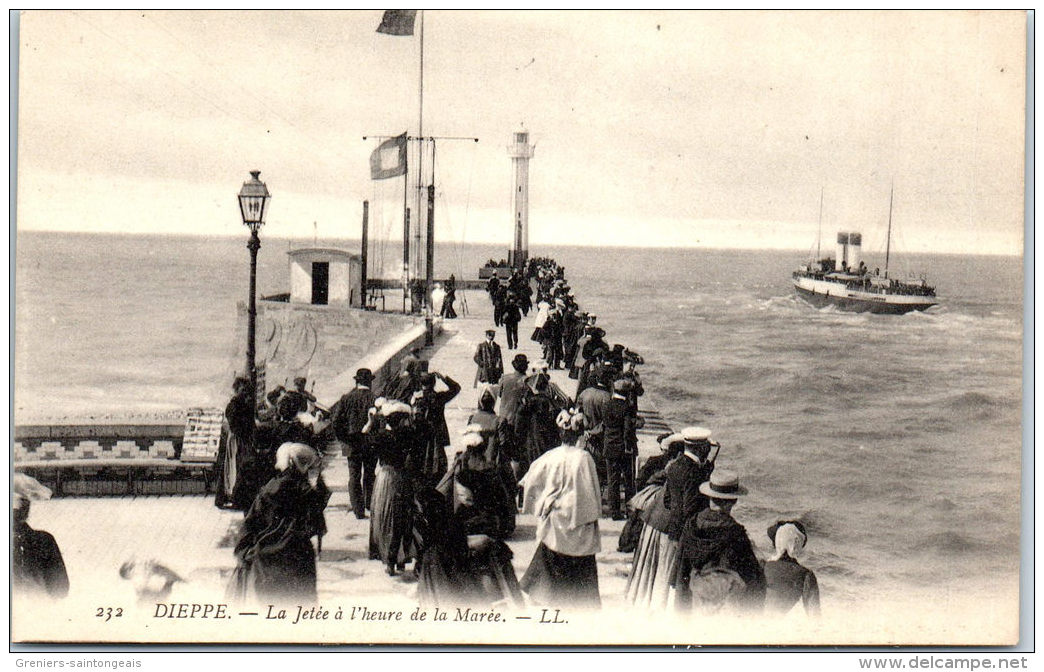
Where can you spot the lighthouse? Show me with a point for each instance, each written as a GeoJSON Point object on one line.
{"type": "Point", "coordinates": [520, 152]}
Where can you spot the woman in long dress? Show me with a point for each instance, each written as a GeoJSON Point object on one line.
{"type": "Point", "coordinates": [786, 579]}
{"type": "Point", "coordinates": [561, 490]}
{"type": "Point", "coordinates": [276, 560]}
{"type": "Point", "coordinates": [235, 451]}
{"type": "Point", "coordinates": [536, 430]}
{"type": "Point", "coordinates": [444, 578]}
{"type": "Point", "coordinates": [393, 440]}
{"type": "Point", "coordinates": [655, 557]}
{"type": "Point", "coordinates": [462, 559]}
{"type": "Point", "coordinates": [481, 514]}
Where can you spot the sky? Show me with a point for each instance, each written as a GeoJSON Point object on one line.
{"type": "Point", "coordinates": [701, 129]}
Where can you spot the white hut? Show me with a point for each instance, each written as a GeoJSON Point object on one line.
{"type": "Point", "coordinates": [325, 276]}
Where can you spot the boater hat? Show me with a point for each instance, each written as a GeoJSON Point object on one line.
{"type": "Point", "coordinates": [695, 435]}
{"type": "Point", "coordinates": [723, 485]}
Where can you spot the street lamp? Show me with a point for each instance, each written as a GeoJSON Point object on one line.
{"type": "Point", "coordinates": [253, 205]}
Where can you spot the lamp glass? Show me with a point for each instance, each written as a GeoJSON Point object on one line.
{"type": "Point", "coordinates": [253, 201]}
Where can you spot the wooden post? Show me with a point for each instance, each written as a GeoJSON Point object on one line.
{"type": "Point", "coordinates": [405, 258]}
{"type": "Point", "coordinates": [429, 277]}
{"type": "Point", "coordinates": [364, 253]}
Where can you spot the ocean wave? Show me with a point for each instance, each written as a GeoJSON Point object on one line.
{"type": "Point", "coordinates": [945, 408]}
{"type": "Point", "coordinates": [821, 385]}
{"type": "Point", "coordinates": [948, 542]}
{"type": "Point", "coordinates": [977, 404]}
{"type": "Point", "coordinates": [867, 435]}
{"type": "Point", "coordinates": [789, 303]}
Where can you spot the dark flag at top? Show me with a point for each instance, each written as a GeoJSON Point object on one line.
{"type": "Point", "coordinates": [397, 22]}
{"type": "Point", "coordinates": [389, 159]}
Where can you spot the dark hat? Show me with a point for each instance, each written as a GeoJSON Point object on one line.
{"type": "Point", "coordinates": [364, 375]}
{"type": "Point", "coordinates": [520, 361]}
{"type": "Point", "coordinates": [300, 380]}
{"type": "Point", "coordinates": [780, 523]}
{"type": "Point", "coordinates": [491, 332]}
{"type": "Point", "coordinates": [598, 332]}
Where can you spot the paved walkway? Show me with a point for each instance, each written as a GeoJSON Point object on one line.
{"type": "Point", "coordinates": [193, 538]}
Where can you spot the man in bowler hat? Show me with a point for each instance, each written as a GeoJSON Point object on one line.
{"type": "Point", "coordinates": [349, 416]}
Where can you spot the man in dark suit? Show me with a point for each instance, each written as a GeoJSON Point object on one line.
{"type": "Point", "coordinates": [490, 361]}
{"type": "Point", "coordinates": [682, 496]}
{"type": "Point", "coordinates": [512, 390]}
{"type": "Point", "coordinates": [592, 402]}
{"type": "Point", "coordinates": [349, 415]}
{"type": "Point", "coordinates": [511, 317]}
{"type": "Point", "coordinates": [619, 423]}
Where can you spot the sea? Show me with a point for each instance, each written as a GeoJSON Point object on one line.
{"type": "Point", "coordinates": [897, 440]}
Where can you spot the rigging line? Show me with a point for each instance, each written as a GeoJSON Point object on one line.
{"type": "Point", "coordinates": [467, 200]}
{"type": "Point", "coordinates": [216, 70]}
{"type": "Point", "coordinates": [458, 253]}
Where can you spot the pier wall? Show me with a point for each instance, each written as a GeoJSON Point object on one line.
{"type": "Point", "coordinates": [326, 345]}
{"type": "Point", "coordinates": [321, 343]}
{"type": "Point", "coordinates": [385, 361]}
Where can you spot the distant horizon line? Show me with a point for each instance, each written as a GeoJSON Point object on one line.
{"type": "Point", "coordinates": [185, 234]}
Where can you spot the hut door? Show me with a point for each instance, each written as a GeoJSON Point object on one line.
{"type": "Point", "coordinates": [320, 283]}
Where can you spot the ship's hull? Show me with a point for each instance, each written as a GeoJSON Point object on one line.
{"type": "Point", "coordinates": [821, 294]}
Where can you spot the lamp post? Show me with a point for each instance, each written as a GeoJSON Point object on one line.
{"type": "Point", "coordinates": [253, 205]}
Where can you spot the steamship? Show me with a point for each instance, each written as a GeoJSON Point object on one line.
{"type": "Point", "coordinates": [846, 282]}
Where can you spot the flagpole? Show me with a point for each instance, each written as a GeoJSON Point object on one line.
{"type": "Point", "coordinates": [420, 156]}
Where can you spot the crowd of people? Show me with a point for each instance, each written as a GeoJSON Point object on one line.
{"type": "Point", "coordinates": [529, 447]}
{"type": "Point", "coordinates": [568, 460]}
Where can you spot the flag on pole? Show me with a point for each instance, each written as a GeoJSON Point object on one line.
{"type": "Point", "coordinates": [397, 22]}
{"type": "Point", "coordinates": [389, 159]}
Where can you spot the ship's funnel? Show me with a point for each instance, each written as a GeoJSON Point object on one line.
{"type": "Point", "coordinates": [842, 250]}
{"type": "Point", "coordinates": [855, 251]}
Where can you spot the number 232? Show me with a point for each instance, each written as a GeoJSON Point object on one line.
{"type": "Point", "coordinates": [109, 613]}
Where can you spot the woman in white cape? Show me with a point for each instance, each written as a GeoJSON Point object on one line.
{"type": "Point", "coordinates": [561, 490]}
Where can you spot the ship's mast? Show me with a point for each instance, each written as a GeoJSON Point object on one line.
{"type": "Point", "coordinates": [888, 245]}
{"type": "Point", "coordinates": [819, 234]}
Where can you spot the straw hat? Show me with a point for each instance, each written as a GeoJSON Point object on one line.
{"type": "Point", "coordinates": [723, 485]}
{"type": "Point", "coordinates": [694, 435]}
